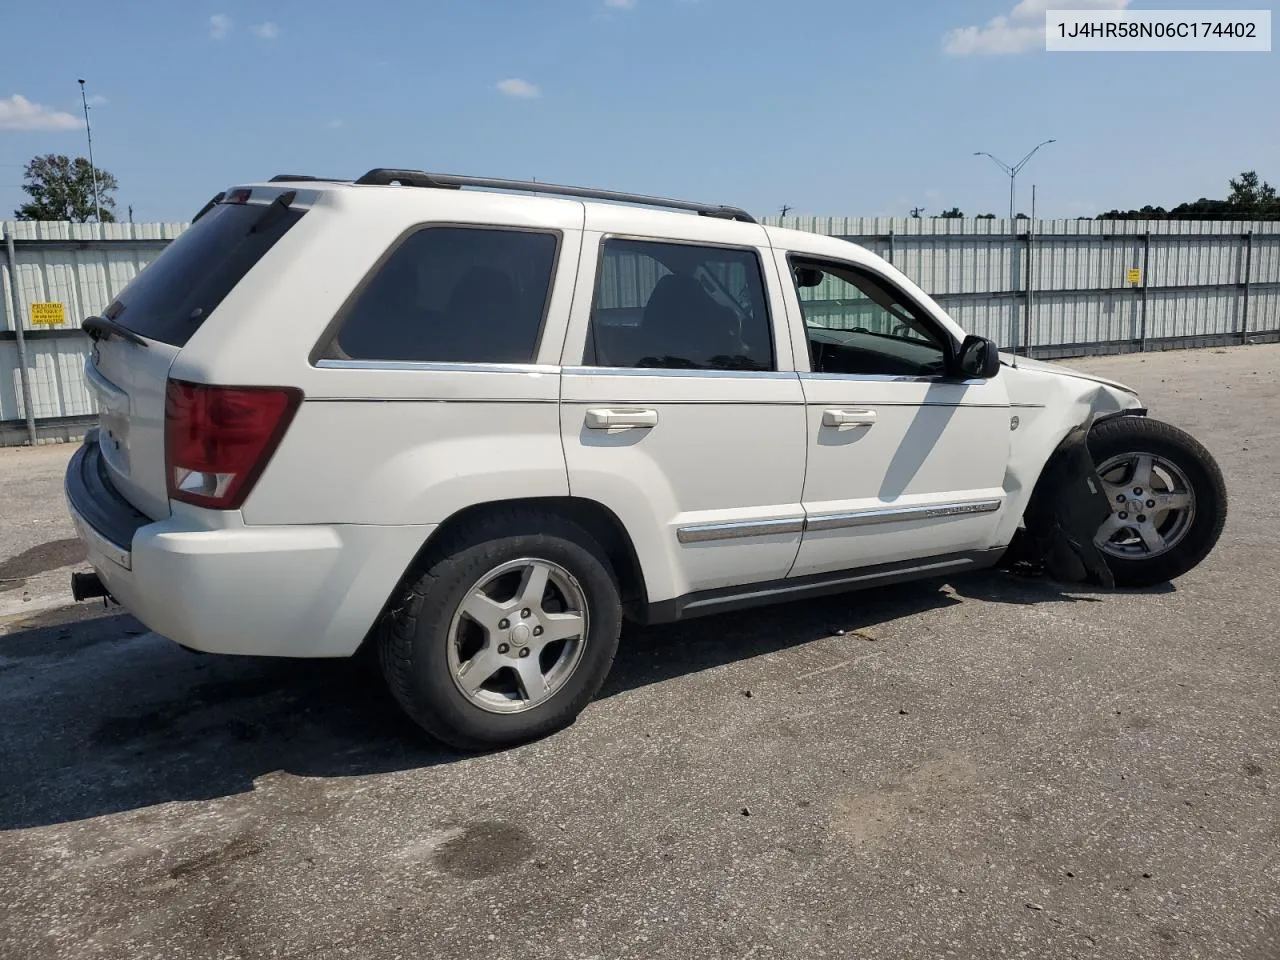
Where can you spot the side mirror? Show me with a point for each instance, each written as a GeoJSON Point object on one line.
{"type": "Point", "coordinates": [979, 358]}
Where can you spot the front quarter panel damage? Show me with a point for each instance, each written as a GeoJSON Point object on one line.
{"type": "Point", "coordinates": [1051, 482]}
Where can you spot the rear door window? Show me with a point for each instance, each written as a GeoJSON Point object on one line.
{"type": "Point", "coordinates": [174, 295]}
{"type": "Point", "coordinates": [679, 306]}
{"type": "Point", "coordinates": [453, 295]}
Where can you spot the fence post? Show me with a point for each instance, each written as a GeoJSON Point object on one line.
{"type": "Point", "coordinates": [1146, 271]}
{"type": "Point", "coordinates": [1248, 270]}
{"type": "Point", "coordinates": [891, 244]}
{"type": "Point", "coordinates": [15, 315]}
{"type": "Point", "coordinates": [1026, 337]}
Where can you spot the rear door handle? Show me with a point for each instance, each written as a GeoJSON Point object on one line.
{"type": "Point", "coordinates": [843, 419]}
{"type": "Point", "coordinates": [613, 418]}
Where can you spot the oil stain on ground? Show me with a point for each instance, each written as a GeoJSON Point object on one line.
{"type": "Point", "coordinates": [40, 559]}
{"type": "Point", "coordinates": [241, 848]}
{"type": "Point", "coordinates": [484, 850]}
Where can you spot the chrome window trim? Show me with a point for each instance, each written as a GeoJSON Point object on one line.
{"type": "Point", "coordinates": [431, 366]}
{"type": "Point", "coordinates": [715, 374]}
{"type": "Point", "coordinates": [889, 378]}
{"type": "Point", "coordinates": [705, 532]}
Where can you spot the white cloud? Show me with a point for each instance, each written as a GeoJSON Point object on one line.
{"type": "Point", "coordinates": [98, 100]}
{"type": "Point", "coordinates": [219, 26]}
{"type": "Point", "coordinates": [1018, 31]}
{"type": "Point", "coordinates": [265, 31]}
{"type": "Point", "coordinates": [19, 113]}
{"type": "Point", "coordinates": [621, 4]}
{"type": "Point", "coordinates": [334, 125]}
{"type": "Point", "coordinates": [515, 87]}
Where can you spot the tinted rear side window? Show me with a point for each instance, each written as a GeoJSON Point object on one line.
{"type": "Point", "coordinates": [679, 306]}
{"type": "Point", "coordinates": [174, 295]}
{"type": "Point", "coordinates": [453, 295]}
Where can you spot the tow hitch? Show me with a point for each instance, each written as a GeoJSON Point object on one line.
{"type": "Point", "coordinates": [88, 586]}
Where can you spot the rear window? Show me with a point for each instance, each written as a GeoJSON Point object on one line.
{"type": "Point", "coordinates": [174, 295]}
{"type": "Point", "coordinates": [453, 295]}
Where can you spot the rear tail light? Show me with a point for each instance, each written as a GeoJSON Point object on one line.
{"type": "Point", "coordinates": [217, 440]}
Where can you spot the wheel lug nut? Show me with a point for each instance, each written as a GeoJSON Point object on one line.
{"type": "Point", "coordinates": [503, 648]}
{"type": "Point", "coordinates": [1142, 518]}
{"type": "Point", "coordinates": [1151, 503]}
{"type": "Point", "coordinates": [1137, 491]}
{"type": "Point", "coordinates": [1123, 515]}
{"type": "Point", "coordinates": [503, 624]}
{"type": "Point", "coordinates": [524, 614]}
{"type": "Point", "coordinates": [524, 651]}
{"type": "Point", "coordinates": [537, 631]}
{"type": "Point", "coordinates": [1120, 498]}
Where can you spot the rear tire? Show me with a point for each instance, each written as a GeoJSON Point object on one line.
{"type": "Point", "coordinates": [453, 621]}
{"type": "Point", "coordinates": [1168, 528]}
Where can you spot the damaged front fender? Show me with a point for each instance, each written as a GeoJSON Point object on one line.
{"type": "Point", "coordinates": [1052, 472]}
{"type": "Point", "coordinates": [1065, 510]}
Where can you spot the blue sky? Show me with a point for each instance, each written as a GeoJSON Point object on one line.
{"type": "Point", "coordinates": [838, 107]}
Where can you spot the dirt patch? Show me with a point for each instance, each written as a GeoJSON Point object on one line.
{"type": "Point", "coordinates": [40, 559]}
{"type": "Point", "coordinates": [862, 816]}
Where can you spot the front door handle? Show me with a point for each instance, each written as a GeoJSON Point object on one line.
{"type": "Point", "coordinates": [844, 419]}
{"type": "Point", "coordinates": [614, 418]}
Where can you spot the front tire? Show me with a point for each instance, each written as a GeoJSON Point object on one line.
{"type": "Point", "coordinates": [1168, 500]}
{"type": "Point", "coordinates": [504, 631]}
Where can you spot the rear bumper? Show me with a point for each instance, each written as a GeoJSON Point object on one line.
{"type": "Point", "coordinates": [207, 581]}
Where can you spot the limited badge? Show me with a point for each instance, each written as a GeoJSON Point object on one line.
{"type": "Point", "coordinates": [1013, 423]}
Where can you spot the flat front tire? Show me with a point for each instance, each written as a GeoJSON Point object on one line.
{"type": "Point", "coordinates": [503, 632]}
{"type": "Point", "coordinates": [1167, 495]}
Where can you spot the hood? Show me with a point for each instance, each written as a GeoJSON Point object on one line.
{"type": "Point", "coordinates": [1040, 366]}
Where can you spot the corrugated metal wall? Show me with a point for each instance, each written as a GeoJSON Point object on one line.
{"type": "Point", "coordinates": [81, 266]}
{"type": "Point", "coordinates": [1192, 290]}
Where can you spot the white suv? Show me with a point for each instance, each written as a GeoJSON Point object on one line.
{"type": "Point", "coordinates": [474, 428]}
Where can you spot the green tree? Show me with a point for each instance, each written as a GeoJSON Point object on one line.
{"type": "Point", "coordinates": [985, 216]}
{"type": "Point", "coordinates": [1250, 197]}
{"type": "Point", "coordinates": [61, 188]}
{"type": "Point", "coordinates": [953, 214]}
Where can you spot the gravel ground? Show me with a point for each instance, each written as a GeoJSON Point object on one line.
{"type": "Point", "coordinates": [993, 767]}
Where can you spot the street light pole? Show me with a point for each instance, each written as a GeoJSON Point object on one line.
{"type": "Point", "coordinates": [93, 170]}
{"type": "Point", "coordinates": [1012, 171]}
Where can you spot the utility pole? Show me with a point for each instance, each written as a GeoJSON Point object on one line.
{"type": "Point", "coordinates": [1012, 171]}
{"type": "Point", "coordinates": [97, 205]}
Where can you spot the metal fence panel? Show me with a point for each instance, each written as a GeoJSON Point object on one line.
{"type": "Point", "coordinates": [1193, 283]}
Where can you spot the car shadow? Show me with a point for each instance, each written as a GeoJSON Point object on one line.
{"type": "Point", "coordinates": [102, 716]}
{"type": "Point", "coordinates": [999, 586]}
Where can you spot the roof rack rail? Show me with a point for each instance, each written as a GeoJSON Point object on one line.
{"type": "Point", "coordinates": [385, 176]}
{"type": "Point", "coordinates": [302, 177]}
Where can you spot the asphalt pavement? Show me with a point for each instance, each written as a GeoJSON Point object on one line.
{"type": "Point", "coordinates": [990, 767]}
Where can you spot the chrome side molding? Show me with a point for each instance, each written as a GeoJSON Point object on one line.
{"type": "Point", "coordinates": [706, 532]}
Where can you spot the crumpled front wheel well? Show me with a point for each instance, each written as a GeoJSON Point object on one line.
{"type": "Point", "coordinates": [1066, 507]}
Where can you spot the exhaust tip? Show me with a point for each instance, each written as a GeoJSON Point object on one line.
{"type": "Point", "coordinates": [87, 586]}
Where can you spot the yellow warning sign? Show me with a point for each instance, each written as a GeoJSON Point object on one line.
{"type": "Point", "coordinates": [48, 315]}
{"type": "Point", "coordinates": [1135, 275]}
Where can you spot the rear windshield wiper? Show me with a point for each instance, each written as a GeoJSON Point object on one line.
{"type": "Point", "coordinates": [99, 328]}
{"type": "Point", "coordinates": [217, 199]}
{"type": "Point", "coordinates": [275, 210]}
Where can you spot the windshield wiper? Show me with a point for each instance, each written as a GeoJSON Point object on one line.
{"type": "Point", "coordinates": [275, 210]}
{"type": "Point", "coordinates": [99, 328]}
